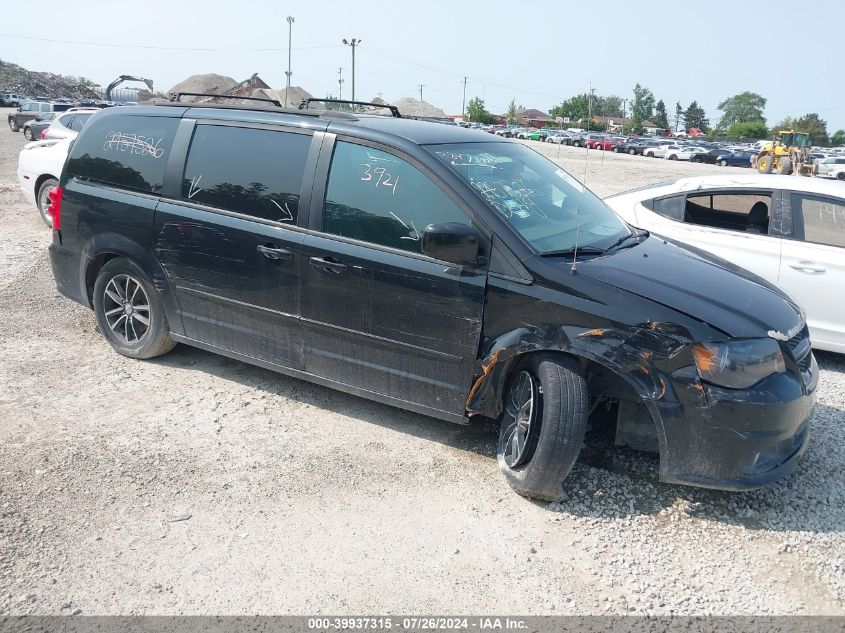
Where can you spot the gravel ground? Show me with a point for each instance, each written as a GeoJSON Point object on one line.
{"type": "Point", "coordinates": [193, 484]}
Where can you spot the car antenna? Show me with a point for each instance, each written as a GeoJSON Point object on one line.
{"type": "Point", "coordinates": [572, 270]}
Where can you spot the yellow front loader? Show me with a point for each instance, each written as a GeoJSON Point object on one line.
{"type": "Point", "coordinates": [788, 153]}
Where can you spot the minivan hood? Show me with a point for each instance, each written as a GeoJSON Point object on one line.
{"type": "Point", "coordinates": [700, 285]}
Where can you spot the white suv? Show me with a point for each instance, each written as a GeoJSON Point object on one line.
{"type": "Point", "coordinates": [69, 123]}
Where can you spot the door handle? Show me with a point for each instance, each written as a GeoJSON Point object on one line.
{"type": "Point", "coordinates": [328, 264]}
{"type": "Point", "coordinates": [270, 251]}
{"type": "Point", "coordinates": [810, 267]}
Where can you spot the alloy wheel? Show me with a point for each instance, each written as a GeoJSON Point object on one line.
{"type": "Point", "coordinates": [44, 205]}
{"type": "Point", "coordinates": [518, 439]}
{"type": "Point", "coordinates": [126, 308]}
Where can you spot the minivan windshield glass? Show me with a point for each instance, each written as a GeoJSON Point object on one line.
{"type": "Point", "coordinates": [540, 200]}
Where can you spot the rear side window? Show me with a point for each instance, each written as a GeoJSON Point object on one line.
{"type": "Point", "coordinates": [79, 121]}
{"type": "Point", "coordinates": [251, 171]}
{"type": "Point", "coordinates": [66, 120]}
{"type": "Point", "coordinates": [736, 211]}
{"type": "Point", "coordinates": [671, 207]}
{"type": "Point", "coordinates": [124, 151]}
{"type": "Point", "coordinates": [823, 219]}
{"type": "Point", "coordinates": [377, 197]}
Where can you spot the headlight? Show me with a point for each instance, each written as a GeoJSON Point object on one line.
{"type": "Point", "coordinates": [738, 364]}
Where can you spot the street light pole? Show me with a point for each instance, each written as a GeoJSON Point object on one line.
{"type": "Point", "coordinates": [353, 43]}
{"type": "Point", "coordinates": [289, 73]}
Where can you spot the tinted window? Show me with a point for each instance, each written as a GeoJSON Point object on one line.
{"type": "Point", "coordinates": [79, 121]}
{"type": "Point", "coordinates": [26, 107]}
{"type": "Point", "coordinates": [671, 207]}
{"type": "Point", "coordinates": [250, 171]}
{"type": "Point", "coordinates": [377, 197]}
{"type": "Point", "coordinates": [823, 219]}
{"type": "Point", "coordinates": [66, 119]}
{"type": "Point", "coordinates": [124, 150]}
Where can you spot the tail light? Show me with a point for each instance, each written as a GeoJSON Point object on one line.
{"type": "Point", "coordinates": [43, 133]}
{"type": "Point", "coordinates": [55, 208]}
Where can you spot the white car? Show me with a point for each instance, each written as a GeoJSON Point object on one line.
{"type": "Point", "coordinates": [685, 153]}
{"type": "Point", "coordinates": [831, 167]}
{"type": "Point", "coordinates": [660, 150]}
{"type": "Point", "coordinates": [786, 229]}
{"type": "Point", "coordinates": [68, 124]}
{"type": "Point", "coordinates": [39, 168]}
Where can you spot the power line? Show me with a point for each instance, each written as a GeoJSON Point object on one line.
{"type": "Point", "coordinates": [462, 77]}
{"type": "Point", "coordinates": [165, 48]}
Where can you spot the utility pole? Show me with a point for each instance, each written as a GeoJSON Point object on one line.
{"type": "Point", "coordinates": [421, 87]}
{"type": "Point", "coordinates": [353, 43]}
{"type": "Point", "coordinates": [289, 73]}
{"type": "Point", "coordinates": [624, 104]}
{"type": "Point", "coordinates": [340, 83]}
{"type": "Point", "coordinates": [464, 106]}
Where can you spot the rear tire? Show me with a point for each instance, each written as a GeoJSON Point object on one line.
{"type": "Point", "coordinates": [723, 163]}
{"type": "Point", "coordinates": [556, 423]}
{"type": "Point", "coordinates": [142, 341]}
{"type": "Point", "coordinates": [632, 152]}
{"type": "Point", "coordinates": [43, 201]}
{"type": "Point", "coordinates": [673, 157]}
{"type": "Point", "coordinates": [840, 175]}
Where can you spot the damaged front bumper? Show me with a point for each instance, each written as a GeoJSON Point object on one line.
{"type": "Point", "coordinates": [736, 439]}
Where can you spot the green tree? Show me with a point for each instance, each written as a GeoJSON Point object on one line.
{"type": "Point", "coordinates": [679, 113]}
{"type": "Point", "coordinates": [838, 138]}
{"type": "Point", "coordinates": [576, 108]}
{"type": "Point", "coordinates": [694, 117]}
{"type": "Point", "coordinates": [746, 107]}
{"type": "Point", "coordinates": [661, 119]}
{"type": "Point", "coordinates": [642, 107]}
{"type": "Point", "coordinates": [811, 124]}
{"type": "Point", "coordinates": [476, 111]}
{"type": "Point", "coordinates": [747, 131]}
{"type": "Point", "coordinates": [510, 115]}
{"type": "Point", "coordinates": [610, 106]}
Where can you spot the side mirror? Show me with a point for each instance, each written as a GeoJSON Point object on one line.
{"type": "Point", "coordinates": [451, 242]}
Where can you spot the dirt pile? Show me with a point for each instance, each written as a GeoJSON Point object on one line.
{"type": "Point", "coordinates": [208, 83]}
{"type": "Point", "coordinates": [19, 80]}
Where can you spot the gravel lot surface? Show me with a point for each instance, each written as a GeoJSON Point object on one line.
{"type": "Point", "coordinates": [193, 484]}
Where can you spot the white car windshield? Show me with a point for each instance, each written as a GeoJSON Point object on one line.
{"type": "Point", "coordinates": [549, 208]}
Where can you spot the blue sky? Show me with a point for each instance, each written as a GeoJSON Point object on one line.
{"type": "Point", "coordinates": [538, 53]}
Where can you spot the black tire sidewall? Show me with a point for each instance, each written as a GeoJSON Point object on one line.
{"type": "Point", "coordinates": [562, 414]}
{"type": "Point", "coordinates": [157, 340]}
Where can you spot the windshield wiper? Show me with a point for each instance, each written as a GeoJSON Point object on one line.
{"type": "Point", "coordinates": [581, 250]}
{"type": "Point", "coordinates": [625, 238]}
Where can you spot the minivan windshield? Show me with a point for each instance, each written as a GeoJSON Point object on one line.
{"type": "Point", "coordinates": [540, 200]}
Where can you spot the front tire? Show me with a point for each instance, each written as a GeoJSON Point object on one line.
{"type": "Point", "coordinates": [632, 152]}
{"type": "Point", "coordinates": [785, 166]}
{"type": "Point", "coordinates": [840, 175]}
{"type": "Point", "coordinates": [673, 157]}
{"type": "Point", "coordinates": [723, 163]}
{"type": "Point", "coordinates": [129, 311]}
{"type": "Point", "coordinates": [543, 425]}
{"type": "Point", "coordinates": [13, 125]}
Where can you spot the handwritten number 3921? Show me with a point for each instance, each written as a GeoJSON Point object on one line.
{"type": "Point", "coordinates": [382, 177]}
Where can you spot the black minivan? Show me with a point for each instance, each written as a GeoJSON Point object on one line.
{"type": "Point", "coordinates": [434, 268]}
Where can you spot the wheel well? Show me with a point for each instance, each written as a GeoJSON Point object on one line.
{"type": "Point", "coordinates": [40, 181]}
{"type": "Point", "coordinates": [93, 270]}
{"type": "Point", "coordinates": [616, 412]}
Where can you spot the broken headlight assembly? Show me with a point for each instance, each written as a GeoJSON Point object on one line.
{"type": "Point", "coordinates": [738, 364]}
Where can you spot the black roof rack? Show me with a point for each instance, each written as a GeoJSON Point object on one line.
{"type": "Point", "coordinates": [177, 96]}
{"type": "Point", "coordinates": [394, 111]}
